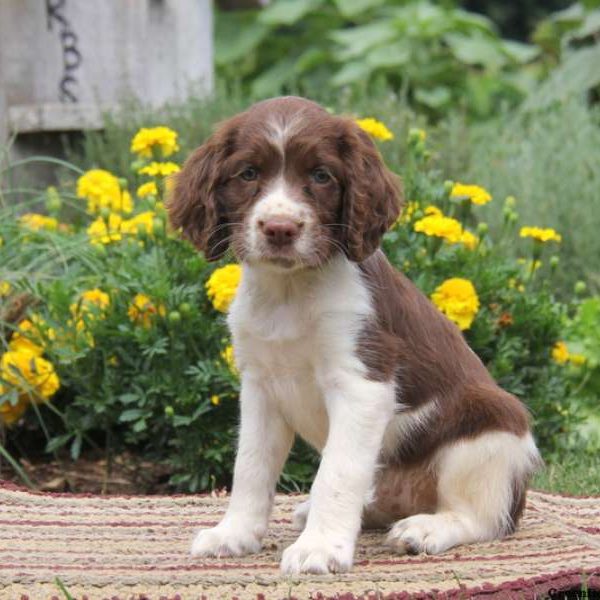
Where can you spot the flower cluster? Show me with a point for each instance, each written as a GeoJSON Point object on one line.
{"type": "Point", "coordinates": [375, 129]}
{"type": "Point", "coordinates": [149, 138]}
{"type": "Point", "coordinates": [222, 286]}
{"type": "Point", "coordinates": [474, 193]}
{"type": "Point", "coordinates": [436, 224]}
{"type": "Point", "coordinates": [562, 356]}
{"type": "Point", "coordinates": [102, 189]}
{"type": "Point", "coordinates": [458, 300]}
{"type": "Point", "coordinates": [112, 229]}
{"type": "Point", "coordinates": [37, 222]}
{"type": "Point", "coordinates": [159, 169]}
{"type": "Point", "coordinates": [540, 235]}
{"type": "Point", "coordinates": [24, 371]}
{"type": "Point", "coordinates": [143, 311]}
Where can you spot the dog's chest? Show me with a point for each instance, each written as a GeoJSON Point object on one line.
{"type": "Point", "coordinates": [291, 346]}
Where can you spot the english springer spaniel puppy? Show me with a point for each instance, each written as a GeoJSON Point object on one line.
{"type": "Point", "coordinates": [333, 344]}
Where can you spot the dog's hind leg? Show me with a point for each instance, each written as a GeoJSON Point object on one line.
{"type": "Point", "coordinates": [481, 494]}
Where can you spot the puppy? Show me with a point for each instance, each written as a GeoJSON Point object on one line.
{"type": "Point", "coordinates": [335, 345]}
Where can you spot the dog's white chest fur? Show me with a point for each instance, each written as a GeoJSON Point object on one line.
{"type": "Point", "coordinates": [295, 335]}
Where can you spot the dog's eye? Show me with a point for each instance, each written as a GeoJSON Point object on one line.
{"type": "Point", "coordinates": [320, 175]}
{"type": "Point", "coordinates": [249, 174]}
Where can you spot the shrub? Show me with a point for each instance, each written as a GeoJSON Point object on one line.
{"type": "Point", "coordinates": [128, 318]}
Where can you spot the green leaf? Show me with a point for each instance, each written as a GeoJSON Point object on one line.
{"type": "Point", "coordinates": [139, 426]}
{"type": "Point", "coordinates": [352, 72]}
{"type": "Point", "coordinates": [435, 98]}
{"type": "Point", "coordinates": [130, 415]}
{"type": "Point", "coordinates": [272, 80]}
{"type": "Point", "coordinates": [287, 12]}
{"type": "Point", "coordinates": [590, 26]}
{"type": "Point", "coordinates": [76, 447]}
{"type": "Point", "coordinates": [356, 41]}
{"type": "Point", "coordinates": [519, 52]}
{"type": "Point", "coordinates": [578, 73]}
{"type": "Point", "coordinates": [475, 50]}
{"type": "Point", "coordinates": [237, 35]}
{"type": "Point", "coordinates": [310, 59]}
{"type": "Point", "coordinates": [58, 442]}
{"type": "Point", "coordinates": [392, 55]}
{"type": "Point", "coordinates": [353, 8]}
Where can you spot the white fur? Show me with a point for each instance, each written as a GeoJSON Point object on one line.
{"type": "Point", "coordinates": [295, 337]}
{"type": "Point", "coordinates": [475, 491]}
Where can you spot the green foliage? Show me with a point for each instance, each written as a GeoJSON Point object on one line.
{"type": "Point", "coordinates": [437, 56]}
{"type": "Point", "coordinates": [162, 386]}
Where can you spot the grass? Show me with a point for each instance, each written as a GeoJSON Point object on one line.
{"type": "Point", "coordinates": [573, 472]}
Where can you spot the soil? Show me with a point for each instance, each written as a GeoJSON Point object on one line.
{"type": "Point", "coordinates": [128, 474]}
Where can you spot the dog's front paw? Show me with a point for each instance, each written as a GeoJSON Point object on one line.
{"type": "Point", "coordinates": [226, 540]}
{"type": "Point", "coordinates": [317, 554]}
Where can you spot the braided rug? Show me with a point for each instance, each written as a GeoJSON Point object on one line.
{"type": "Point", "coordinates": [118, 548]}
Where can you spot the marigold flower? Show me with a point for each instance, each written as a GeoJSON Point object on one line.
{"type": "Point", "coordinates": [142, 310]}
{"type": "Point", "coordinates": [11, 413]}
{"type": "Point", "coordinates": [375, 129]}
{"type": "Point", "coordinates": [100, 232]}
{"type": "Point", "coordinates": [147, 189]}
{"type": "Point", "coordinates": [5, 288]}
{"type": "Point", "coordinates": [37, 222]}
{"type": "Point", "coordinates": [215, 400]}
{"type": "Point", "coordinates": [222, 286]}
{"type": "Point", "coordinates": [439, 226]}
{"type": "Point", "coordinates": [143, 221]}
{"type": "Point", "coordinates": [560, 353]}
{"type": "Point", "coordinates": [469, 240]}
{"type": "Point", "coordinates": [541, 235]}
{"type": "Point", "coordinates": [160, 169]}
{"type": "Point", "coordinates": [102, 189]}
{"type": "Point", "coordinates": [229, 359]}
{"type": "Point", "coordinates": [458, 300]}
{"type": "Point", "coordinates": [148, 138]}
{"type": "Point", "coordinates": [29, 374]}
{"type": "Point", "coordinates": [475, 193]}
{"type": "Point", "coordinates": [91, 303]}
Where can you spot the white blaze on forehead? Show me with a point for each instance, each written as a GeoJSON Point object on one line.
{"type": "Point", "coordinates": [280, 129]}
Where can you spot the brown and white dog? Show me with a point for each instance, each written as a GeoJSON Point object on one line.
{"type": "Point", "coordinates": [335, 345]}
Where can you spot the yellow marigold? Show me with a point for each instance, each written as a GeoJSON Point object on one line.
{"type": "Point", "coordinates": [222, 286]}
{"type": "Point", "coordinates": [439, 226]}
{"type": "Point", "coordinates": [26, 339]}
{"type": "Point", "coordinates": [91, 303]}
{"type": "Point", "coordinates": [433, 211]}
{"type": "Point", "coordinates": [215, 400]}
{"type": "Point", "coordinates": [375, 129]}
{"type": "Point", "coordinates": [11, 413]}
{"type": "Point", "coordinates": [29, 374]}
{"type": "Point", "coordinates": [141, 222]}
{"type": "Point", "coordinates": [102, 189]}
{"type": "Point", "coordinates": [159, 169]}
{"type": "Point", "coordinates": [100, 232]}
{"type": "Point", "coordinates": [541, 235]}
{"type": "Point", "coordinates": [148, 138]}
{"type": "Point", "coordinates": [37, 222]}
{"type": "Point", "coordinates": [229, 359]}
{"type": "Point", "coordinates": [560, 353]}
{"type": "Point", "coordinates": [458, 300]}
{"type": "Point", "coordinates": [469, 240]}
{"type": "Point", "coordinates": [475, 193]}
{"type": "Point", "coordinates": [5, 288]}
{"type": "Point", "coordinates": [147, 189]}
{"type": "Point", "coordinates": [143, 311]}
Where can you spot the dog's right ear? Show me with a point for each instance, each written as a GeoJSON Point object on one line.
{"type": "Point", "coordinates": [193, 203]}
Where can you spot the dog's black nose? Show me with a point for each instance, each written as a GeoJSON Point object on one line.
{"type": "Point", "coordinates": [280, 232]}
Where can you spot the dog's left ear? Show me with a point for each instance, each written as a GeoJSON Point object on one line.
{"type": "Point", "coordinates": [372, 196]}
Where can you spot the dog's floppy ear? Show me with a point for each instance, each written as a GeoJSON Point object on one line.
{"type": "Point", "coordinates": [372, 195]}
{"type": "Point", "coordinates": [193, 203]}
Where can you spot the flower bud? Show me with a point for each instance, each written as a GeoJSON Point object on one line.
{"type": "Point", "coordinates": [185, 308]}
{"type": "Point", "coordinates": [448, 185]}
{"type": "Point", "coordinates": [554, 260]}
{"type": "Point", "coordinates": [580, 288]}
{"type": "Point", "coordinates": [53, 201]}
{"type": "Point", "coordinates": [482, 228]}
{"type": "Point", "coordinates": [158, 226]}
{"type": "Point", "coordinates": [169, 411]}
{"type": "Point", "coordinates": [510, 202]}
{"type": "Point", "coordinates": [105, 212]}
{"type": "Point", "coordinates": [174, 317]}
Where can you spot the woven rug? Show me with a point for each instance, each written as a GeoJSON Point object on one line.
{"type": "Point", "coordinates": [117, 547]}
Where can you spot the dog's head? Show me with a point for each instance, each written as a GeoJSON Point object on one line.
{"type": "Point", "coordinates": [288, 184]}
